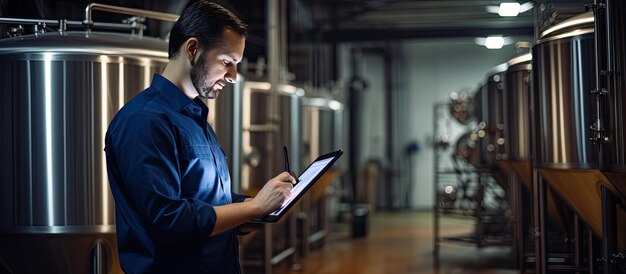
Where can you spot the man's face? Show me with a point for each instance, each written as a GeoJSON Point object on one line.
{"type": "Point", "coordinates": [218, 66]}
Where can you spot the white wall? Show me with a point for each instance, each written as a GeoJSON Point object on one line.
{"type": "Point", "coordinates": [428, 71]}
{"type": "Point", "coordinates": [434, 69]}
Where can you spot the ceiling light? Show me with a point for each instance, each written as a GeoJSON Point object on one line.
{"type": "Point", "coordinates": [509, 9]}
{"type": "Point", "coordinates": [494, 42]}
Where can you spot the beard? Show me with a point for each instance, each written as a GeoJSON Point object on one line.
{"type": "Point", "coordinates": [199, 74]}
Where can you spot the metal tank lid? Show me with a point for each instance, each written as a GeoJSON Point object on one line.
{"type": "Point", "coordinates": [521, 62]}
{"type": "Point", "coordinates": [104, 43]}
{"type": "Point", "coordinates": [577, 25]}
{"type": "Point", "coordinates": [284, 89]}
{"type": "Point", "coordinates": [493, 74]}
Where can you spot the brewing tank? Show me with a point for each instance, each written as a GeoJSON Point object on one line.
{"type": "Point", "coordinates": [265, 131]}
{"type": "Point", "coordinates": [322, 129]}
{"type": "Point", "coordinates": [492, 108]}
{"type": "Point", "coordinates": [563, 107]}
{"type": "Point", "coordinates": [517, 100]}
{"type": "Point", "coordinates": [60, 90]}
{"type": "Point", "coordinates": [225, 117]}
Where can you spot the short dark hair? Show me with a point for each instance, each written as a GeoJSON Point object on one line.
{"type": "Point", "coordinates": [205, 21]}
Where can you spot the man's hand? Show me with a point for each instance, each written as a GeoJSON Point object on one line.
{"type": "Point", "coordinates": [274, 193]}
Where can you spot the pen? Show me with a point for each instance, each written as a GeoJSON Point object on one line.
{"type": "Point", "coordinates": [287, 168]}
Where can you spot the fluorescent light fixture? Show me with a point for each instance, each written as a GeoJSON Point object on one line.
{"type": "Point", "coordinates": [524, 7]}
{"type": "Point", "coordinates": [509, 9]}
{"type": "Point", "coordinates": [494, 42]}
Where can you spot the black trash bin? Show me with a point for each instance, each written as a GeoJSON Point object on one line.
{"type": "Point", "coordinates": [360, 213]}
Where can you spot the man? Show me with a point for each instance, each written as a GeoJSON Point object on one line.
{"type": "Point", "coordinates": [175, 212]}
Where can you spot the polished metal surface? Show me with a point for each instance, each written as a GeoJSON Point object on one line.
{"type": "Point", "coordinates": [54, 253]}
{"type": "Point", "coordinates": [615, 153]}
{"type": "Point", "coordinates": [517, 100]}
{"type": "Point", "coordinates": [127, 11]}
{"type": "Point", "coordinates": [574, 23]}
{"type": "Point", "coordinates": [492, 113]}
{"type": "Point", "coordinates": [264, 136]}
{"type": "Point", "coordinates": [225, 118]}
{"type": "Point", "coordinates": [322, 130]}
{"type": "Point", "coordinates": [60, 92]}
{"type": "Point", "coordinates": [562, 105]}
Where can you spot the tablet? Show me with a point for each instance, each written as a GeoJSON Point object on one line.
{"type": "Point", "coordinates": [308, 177]}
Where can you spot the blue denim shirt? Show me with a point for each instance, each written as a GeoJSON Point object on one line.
{"type": "Point", "coordinates": [166, 171]}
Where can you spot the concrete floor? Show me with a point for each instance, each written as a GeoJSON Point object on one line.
{"type": "Point", "coordinates": [403, 243]}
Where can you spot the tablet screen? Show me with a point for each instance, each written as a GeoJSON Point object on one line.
{"type": "Point", "coordinates": [307, 178]}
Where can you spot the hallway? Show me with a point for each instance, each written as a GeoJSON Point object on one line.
{"type": "Point", "coordinates": [402, 242]}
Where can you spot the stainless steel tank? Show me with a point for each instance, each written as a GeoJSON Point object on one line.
{"type": "Point", "coordinates": [322, 129]}
{"type": "Point", "coordinates": [468, 146]}
{"type": "Point", "coordinates": [615, 153]}
{"type": "Point", "coordinates": [225, 117]}
{"type": "Point", "coordinates": [59, 93]}
{"type": "Point", "coordinates": [492, 108]}
{"type": "Point", "coordinates": [563, 107]}
{"type": "Point", "coordinates": [267, 130]}
{"type": "Point", "coordinates": [517, 101]}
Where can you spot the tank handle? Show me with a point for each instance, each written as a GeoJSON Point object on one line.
{"type": "Point", "coordinates": [88, 22]}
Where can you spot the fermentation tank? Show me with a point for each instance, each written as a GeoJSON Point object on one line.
{"type": "Point", "coordinates": [489, 112]}
{"type": "Point", "coordinates": [615, 153]}
{"type": "Point", "coordinates": [322, 129]}
{"type": "Point", "coordinates": [563, 109]}
{"type": "Point", "coordinates": [60, 90]}
{"type": "Point", "coordinates": [517, 99]}
{"type": "Point", "coordinates": [225, 118]}
{"type": "Point", "coordinates": [270, 120]}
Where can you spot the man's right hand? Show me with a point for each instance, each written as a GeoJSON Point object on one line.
{"type": "Point", "coordinates": [274, 193]}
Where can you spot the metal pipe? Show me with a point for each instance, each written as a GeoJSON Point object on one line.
{"type": "Point", "coordinates": [578, 238]}
{"type": "Point", "coordinates": [598, 127]}
{"type": "Point", "coordinates": [128, 11]}
{"type": "Point", "coordinates": [609, 224]}
{"type": "Point", "coordinates": [539, 231]}
{"type": "Point", "coordinates": [273, 72]}
{"type": "Point", "coordinates": [20, 21]}
{"type": "Point", "coordinates": [590, 251]}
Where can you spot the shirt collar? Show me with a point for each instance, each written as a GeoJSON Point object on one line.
{"type": "Point", "coordinates": [171, 92]}
{"type": "Point", "coordinates": [178, 99]}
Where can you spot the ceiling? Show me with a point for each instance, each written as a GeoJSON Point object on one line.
{"type": "Point", "coordinates": [358, 20]}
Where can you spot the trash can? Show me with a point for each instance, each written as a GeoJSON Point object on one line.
{"type": "Point", "coordinates": [360, 214]}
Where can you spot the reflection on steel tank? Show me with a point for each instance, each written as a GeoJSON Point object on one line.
{"type": "Point", "coordinates": [225, 118]}
{"type": "Point", "coordinates": [492, 113]}
{"type": "Point", "coordinates": [322, 129]}
{"type": "Point", "coordinates": [266, 131]}
{"type": "Point", "coordinates": [563, 76]}
{"type": "Point", "coordinates": [517, 117]}
{"type": "Point", "coordinates": [60, 90]}
{"type": "Point", "coordinates": [563, 110]}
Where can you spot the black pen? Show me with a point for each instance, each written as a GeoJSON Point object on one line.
{"type": "Point", "coordinates": [287, 168]}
